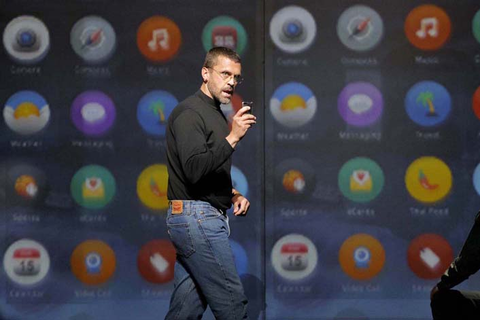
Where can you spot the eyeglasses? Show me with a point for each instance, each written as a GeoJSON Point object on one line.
{"type": "Point", "coordinates": [226, 76]}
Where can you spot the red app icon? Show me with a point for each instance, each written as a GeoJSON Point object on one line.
{"type": "Point", "coordinates": [224, 36]}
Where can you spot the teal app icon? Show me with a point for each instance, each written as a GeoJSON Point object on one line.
{"type": "Point", "coordinates": [93, 187]}
{"type": "Point", "coordinates": [361, 179]}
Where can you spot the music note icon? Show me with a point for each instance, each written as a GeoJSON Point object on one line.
{"type": "Point", "coordinates": [428, 26]}
{"type": "Point", "coordinates": [160, 38]}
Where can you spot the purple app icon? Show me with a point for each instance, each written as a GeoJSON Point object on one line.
{"type": "Point", "coordinates": [93, 113]}
{"type": "Point", "coordinates": [360, 104]}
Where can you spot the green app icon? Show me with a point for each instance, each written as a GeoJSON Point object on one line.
{"type": "Point", "coordinates": [224, 31]}
{"type": "Point", "coordinates": [93, 187]}
{"type": "Point", "coordinates": [476, 26]}
{"type": "Point", "coordinates": [361, 180]}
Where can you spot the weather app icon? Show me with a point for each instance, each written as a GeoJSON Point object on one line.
{"type": "Point", "coordinates": [93, 39]}
{"type": "Point", "coordinates": [93, 113]}
{"type": "Point", "coordinates": [293, 29]}
{"type": "Point", "coordinates": [153, 111]}
{"type": "Point", "coordinates": [26, 112]}
{"type": "Point", "coordinates": [293, 104]}
{"type": "Point", "coordinates": [360, 28]}
{"type": "Point", "coordinates": [224, 31]}
{"type": "Point", "coordinates": [360, 104]}
{"type": "Point", "coordinates": [428, 103]}
{"type": "Point", "coordinates": [26, 39]}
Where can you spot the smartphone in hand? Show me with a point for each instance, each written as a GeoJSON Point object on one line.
{"type": "Point", "coordinates": [248, 104]}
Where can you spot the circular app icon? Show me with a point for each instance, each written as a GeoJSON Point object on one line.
{"type": "Point", "coordinates": [152, 187]}
{"type": "Point", "coordinates": [294, 257]}
{"type": "Point", "coordinates": [153, 111]}
{"type": "Point", "coordinates": [360, 104]}
{"type": "Point", "coordinates": [239, 181]}
{"type": "Point", "coordinates": [476, 26]}
{"type": "Point", "coordinates": [26, 39]}
{"type": "Point", "coordinates": [476, 102]}
{"type": "Point", "coordinates": [159, 39]}
{"type": "Point", "coordinates": [93, 262]}
{"type": "Point", "coordinates": [26, 112]}
{"type": "Point", "coordinates": [93, 187]}
{"type": "Point", "coordinates": [428, 179]}
{"type": "Point", "coordinates": [428, 103]}
{"type": "Point", "coordinates": [240, 256]}
{"type": "Point", "coordinates": [156, 261]}
{"type": "Point", "coordinates": [26, 262]}
{"type": "Point", "coordinates": [361, 256]}
{"type": "Point", "coordinates": [361, 179]}
{"type": "Point", "coordinates": [293, 104]}
{"type": "Point", "coordinates": [295, 179]}
{"type": "Point", "coordinates": [476, 179]}
{"type": "Point", "coordinates": [93, 39]}
{"type": "Point", "coordinates": [360, 28]}
{"type": "Point", "coordinates": [293, 29]}
{"type": "Point", "coordinates": [93, 113]}
{"type": "Point", "coordinates": [429, 255]}
{"type": "Point", "coordinates": [231, 108]}
{"type": "Point", "coordinates": [224, 31]}
{"type": "Point", "coordinates": [26, 185]}
{"type": "Point", "coordinates": [428, 27]}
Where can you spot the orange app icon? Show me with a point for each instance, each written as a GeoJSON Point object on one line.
{"type": "Point", "coordinates": [93, 262]}
{"type": "Point", "coordinates": [159, 38]}
{"type": "Point", "coordinates": [428, 27]}
{"type": "Point", "coordinates": [361, 256]}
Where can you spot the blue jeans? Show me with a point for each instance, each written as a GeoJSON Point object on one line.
{"type": "Point", "coordinates": [205, 272]}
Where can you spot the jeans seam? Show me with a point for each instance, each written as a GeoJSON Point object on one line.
{"type": "Point", "coordinates": [221, 266]}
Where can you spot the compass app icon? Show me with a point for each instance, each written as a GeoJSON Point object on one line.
{"type": "Point", "coordinates": [93, 39]}
{"type": "Point", "coordinates": [26, 39]}
{"type": "Point", "coordinates": [360, 28]}
{"type": "Point", "coordinates": [428, 103]}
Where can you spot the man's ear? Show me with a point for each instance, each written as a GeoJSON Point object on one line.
{"type": "Point", "coordinates": [205, 74]}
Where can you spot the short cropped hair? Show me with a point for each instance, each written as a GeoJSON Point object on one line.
{"type": "Point", "coordinates": [214, 53]}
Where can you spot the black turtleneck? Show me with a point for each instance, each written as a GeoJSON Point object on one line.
{"type": "Point", "coordinates": [198, 155]}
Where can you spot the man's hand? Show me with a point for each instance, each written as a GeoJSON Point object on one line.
{"type": "Point", "coordinates": [242, 121]}
{"type": "Point", "coordinates": [240, 205]}
{"type": "Point", "coordinates": [433, 292]}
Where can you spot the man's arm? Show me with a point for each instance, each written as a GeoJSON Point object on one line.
{"type": "Point", "coordinates": [198, 160]}
{"type": "Point", "coordinates": [467, 262]}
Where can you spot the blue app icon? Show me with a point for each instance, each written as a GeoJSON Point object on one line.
{"type": "Point", "coordinates": [93, 262]}
{"type": "Point", "coordinates": [240, 256]}
{"type": "Point", "coordinates": [153, 111]}
{"type": "Point", "coordinates": [428, 103]}
{"type": "Point", "coordinates": [239, 181]}
{"type": "Point", "coordinates": [361, 256]}
{"type": "Point", "coordinates": [476, 179]}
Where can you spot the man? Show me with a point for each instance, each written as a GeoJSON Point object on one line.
{"type": "Point", "coordinates": [449, 304]}
{"type": "Point", "coordinates": [199, 149]}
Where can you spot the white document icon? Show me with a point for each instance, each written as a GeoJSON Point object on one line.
{"type": "Point", "coordinates": [429, 258]}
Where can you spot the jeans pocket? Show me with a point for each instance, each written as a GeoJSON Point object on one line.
{"type": "Point", "coordinates": [181, 238]}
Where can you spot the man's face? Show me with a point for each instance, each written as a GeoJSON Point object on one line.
{"type": "Point", "coordinates": [221, 80]}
